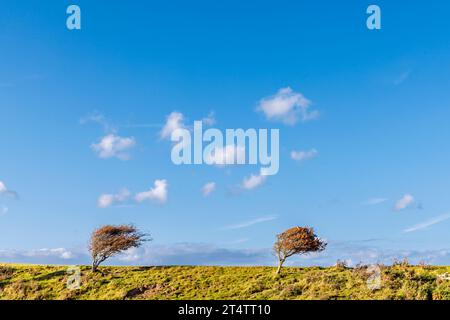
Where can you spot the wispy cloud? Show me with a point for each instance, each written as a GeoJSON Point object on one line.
{"type": "Point", "coordinates": [208, 188]}
{"type": "Point", "coordinates": [236, 242]}
{"type": "Point", "coordinates": [304, 155]}
{"type": "Point", "coordinates": [141, 125]}
{"type": "Point", "coordinates": [99, 118]}
{"type": "Point", "coordinates": [250, 223]}
{"type": "Point", "coordinates": [3, 210]}
{"type": "Point", "coordinates": [402, 77]}
{"type": "Point", "coordinates": [374, 201]}
{"type": "Point", "coordinates": [210, 119]}
{"type": "Point", "coordinates": [428, 223]}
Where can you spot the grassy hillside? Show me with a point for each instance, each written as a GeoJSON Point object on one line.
{"type": "Point", "coordinates": [400, 281]}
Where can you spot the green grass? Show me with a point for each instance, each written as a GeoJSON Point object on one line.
{"type": "Point", "coordinates": [400, 281]}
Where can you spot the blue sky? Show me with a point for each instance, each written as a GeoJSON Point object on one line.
{"type": "Point", "coordinates": [376, 181]}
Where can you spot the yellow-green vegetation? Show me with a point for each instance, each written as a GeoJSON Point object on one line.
{"type": "Point", "coordinates": [400, 281]}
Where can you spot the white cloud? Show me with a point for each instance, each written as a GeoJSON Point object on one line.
{"type": "Point", "coordinates": [114, 146]}
{"type": "Point", "coordinates": [208, 188]}
{"type": "Point", "coordinates": [174, 121]}
{"type": "Point", "coordinates": [107, 200]}
{"type": "Point", "coordinates": [406, 201]}
{"type": "Point", "coordinates": [5, 191]}
{"type": "Point", "coordinates": [111, 145]}
{"type": "Point", "coordinates": [375, 201]}
{"type": "Point", "coordinates": [304, 155]}
{"type": "Point", "coordinates": [61, 256]}
{"type": "Point", "coordinates": [61, 253]}
{"type": "Point", "coordinates": [230, 154]}
{"type": "Point", "coordinates": [131, 255]}
{"type": "Point", "coordinates": [253, 181]}
{"type": "Point", "coordinates": [157, 193]}
{"type": "Point", "coordinates": [428, 223]}
{"type": "Point", "coordinates": [250, 223]}
{"type": "Point", "coordinates": [287, 106]}
{"type": "Point", "coordinates": [3, 188]}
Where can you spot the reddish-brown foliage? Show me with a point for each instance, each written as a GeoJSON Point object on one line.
{"type": "Point", "coordinates": [297, 240]}
{"type": "Point", "coordinates": [110, 240]}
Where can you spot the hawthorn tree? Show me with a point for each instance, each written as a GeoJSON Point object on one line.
{"type": "Point", "coordinates": [110, 240]}
{"type": "Point", "coordinates": [297, 240]}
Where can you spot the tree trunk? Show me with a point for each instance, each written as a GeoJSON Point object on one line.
{"type": "Point", "coordinates": [280, 265]}
{"type": "Point", "coordinates": [94, 266]}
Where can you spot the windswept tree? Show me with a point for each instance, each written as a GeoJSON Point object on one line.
{"type": "Point", "coordinates": [108, 241]}
{"type": "Point", "coordinates": [297, 240]}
